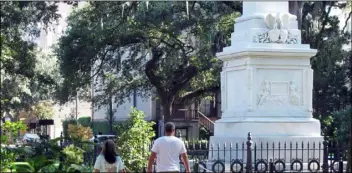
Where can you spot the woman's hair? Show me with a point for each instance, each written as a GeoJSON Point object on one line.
{"type": "Point", "coordinates": [109, 151]}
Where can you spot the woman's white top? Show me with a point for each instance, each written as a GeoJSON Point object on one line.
{"type": "Point", "coordinates": [103, 166]}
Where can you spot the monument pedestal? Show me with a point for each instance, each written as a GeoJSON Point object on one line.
{"type": "Point", "coordinates": [275, 127]}
{"type": "Point", "coordinates": [266, 89]}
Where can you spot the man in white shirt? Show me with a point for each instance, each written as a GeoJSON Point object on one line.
{"type": "Point", "coordinates": [167, 150]}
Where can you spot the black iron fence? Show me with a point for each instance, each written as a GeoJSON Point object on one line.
{"type": "Point", "coordinates": [249, 156]}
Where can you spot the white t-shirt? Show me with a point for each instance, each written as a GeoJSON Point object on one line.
{"type": "Point", "coordinates": [105, 166]}
{"type": "Point", "coordinates": [168, 150]}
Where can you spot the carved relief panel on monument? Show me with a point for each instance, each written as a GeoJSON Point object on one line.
{"type": "Point", "coordinates": [281, 91]}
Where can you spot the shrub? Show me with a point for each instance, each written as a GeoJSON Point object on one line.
{"type": "Point", "coordinates": [204, 133]}
{"type": "Point", "coordinates": [79, 133]}
{"type": "Point", "coordinates": [134, 137]}
{"type": "Point", "coordinates": [7, 159]}
{"type": "Point", "coordinates": [73, 155]}
{"type": "Point", "coordinates": [65, 124]}
{"type": "Point", "coordinates": [9, 131]}
{"type": "Point", "coordinates": [340, 121]}
{"type": "Point", "coordinates": [84, 121]}
{"type": "Point", "coordinates": [34, 164]}
{"type": "Point", "coordinates": [100, 126]}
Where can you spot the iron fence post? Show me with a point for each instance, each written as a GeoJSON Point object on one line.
{"type": "Point", "coordinates": [325, 157]}
{"type": "Point", "coordinates": [249, 153]}
{"type": "Point", "coordinates": [271, 166]}
{"type": "Point", "coordinates": [341, 165]}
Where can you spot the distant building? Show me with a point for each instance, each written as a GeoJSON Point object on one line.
{"type": "Point", "coordinates": [121, 112]}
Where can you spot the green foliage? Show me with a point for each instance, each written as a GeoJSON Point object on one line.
{"type": "Point", "coordinates": [73, 154]}
{"type": "Point", "coordinates": [49, 148]}
{"type": "Point", "coordinates": [204, 133]}
{"type": "Point", "coordinates": [65, 124]}
{"type": "Point", "coordinates": [100, 126]}
{"type": "Point", "coordinates": [7, 159]}
{"type": "Point", "coordinates": [10, 131]}
{"type": "Point", "coordinates": [23, 167]}
{"type": "Point", "coordinates": [340, 121]}
{"type": "Point", "coordinates": [34, 164]}
{"type": "Point", "coordinates": [84, 121]}
{"type": "Point", "coordinates": [180, 47]}
{"type": "Point", "coordinates": [134, 137]}
{"type": "Point", "coordinates": [44, 156]}
{"type": "Point", "coordinates": [79, 133]}
{"type": "Point", "coordinates": [50, 168]}
{"type": "Point", "coordinates": [22, 82]}
{"type": "Point", "coordinates": [331, 64]}
{"type": "Point", "coordinates": [44, 110]}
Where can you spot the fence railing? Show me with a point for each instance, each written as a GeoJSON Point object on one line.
{"type": "Point", "coordinates": [206, 122]}
{"type": "Point", "coordinates": [183, 115]}
{"type": "Point", "coordinates": [249, 156]}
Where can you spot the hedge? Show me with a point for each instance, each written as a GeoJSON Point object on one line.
{"type": "Point", "coordinates": [100, 126]}
{"type": "Point", "coordinates": [84, 121]}
{"type": "Point", "coordinates": [65, 124]}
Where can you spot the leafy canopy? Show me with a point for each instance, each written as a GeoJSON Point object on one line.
{"type": "Point", "coordinates": [44, 110]}
{"type": "Point", "coordinates": [22, 83]}
{"type": "Point", "coordinates": [156, 50]}
{"type": "Point", "coordinates": [331, 64]}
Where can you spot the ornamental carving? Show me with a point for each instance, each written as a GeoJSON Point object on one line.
{"type": "Point", "coordinates": [294, 94]}
{"type": "Point", "coordinates": [264, 92]}
{"type": "Point", "coordinates": [277, 31]}
{"type": "Point", "coordinates": [279, 93]}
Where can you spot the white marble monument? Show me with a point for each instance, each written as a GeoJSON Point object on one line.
{"type": "Point", "coordinates": [266, 81]}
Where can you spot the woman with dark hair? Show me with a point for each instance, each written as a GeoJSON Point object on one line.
{"type": "Point", "coordinates": [108, 160]}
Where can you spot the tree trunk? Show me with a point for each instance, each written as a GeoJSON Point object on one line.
{"type": "Point", "coordinates": [166, 105]}
{"type": "Point", "coordinates": [111, 116]}
{"type": "Point", "coordinates": [349, 152]}
{"type": "Point", "coordinates": [295, 8]}
{"type": "Point", "coordinates": [167, 110]}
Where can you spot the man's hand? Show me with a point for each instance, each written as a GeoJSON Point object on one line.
{"type": "Point", "coordinates": [151, 162]}
{"type": "Point", "coordinates": [185, 162]}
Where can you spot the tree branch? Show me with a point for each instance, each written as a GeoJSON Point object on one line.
{"type": "Point", "coordinates": [193, 94]}
{"type": "Point", "coordinates": [181, 81]}
{"type": "Point", "coordinates": [149, 70]}
{"type": "Point", "coordinates": [325, 22]}
{"type": "Point", "coordinates": [346, 22]}
{"type": "Point", "coordinates": [100, 66]}
{"type": "Point", "coordinates": [233, 5]}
